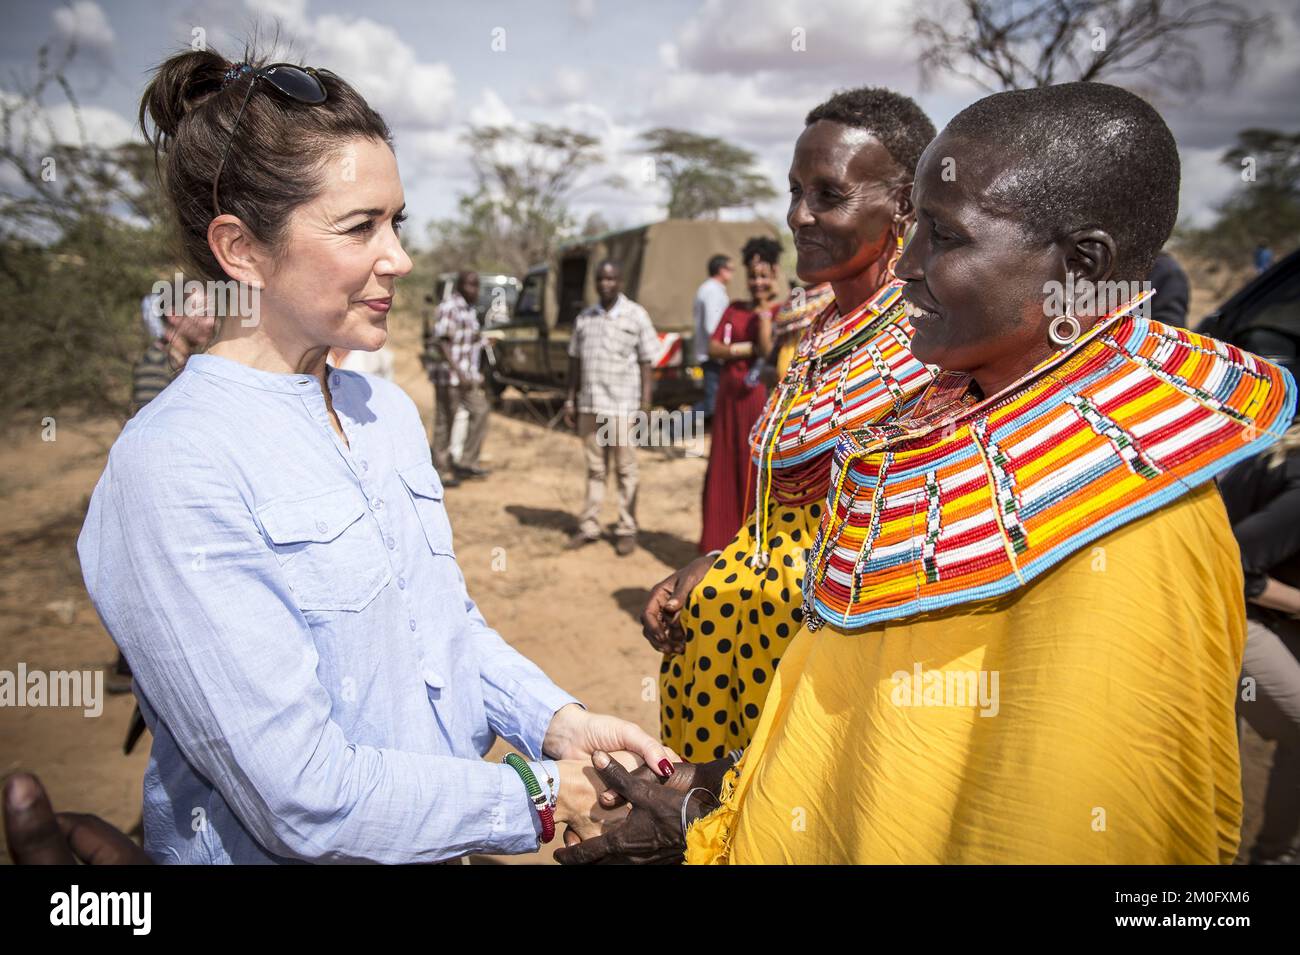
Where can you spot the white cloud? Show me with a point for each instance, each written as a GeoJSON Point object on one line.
{"type": "Point", "coordinates": [385, 70]}
{"type": "Point", "coordinates": [491, 110]}
{"type": "Point", "coordinates": [383, 67]}
{"type": "Point", "coordinates": [1206, 182]}
{"type": "Point", "coordinates": [85, 24]}
{"type": "Point", "coordinates": [566, 85]}
{"type": "Point", "coordinates": [1264, 95]}
{"type": "Point", "coordinates": [103, 127]}
{"type": "Point", "coordinates": [785, 35]}
{"type": "Point", "coordinates": [292, 13]}
{"type": "Point", "coordinates": [747, 108]}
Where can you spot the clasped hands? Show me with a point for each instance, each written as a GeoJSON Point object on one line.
{"type": "Point", "coordinates": [635, 814]}
{"type": "Point", "coordinates": [622, 795]}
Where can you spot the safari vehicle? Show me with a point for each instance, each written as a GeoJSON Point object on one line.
{"type": "Point", "coordinates": [663, 264]}
{"type": "Point", "coordinates": [1264, 315]}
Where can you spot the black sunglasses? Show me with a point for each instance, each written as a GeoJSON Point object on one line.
{"type": "Point", "coordinates": [296, 82]}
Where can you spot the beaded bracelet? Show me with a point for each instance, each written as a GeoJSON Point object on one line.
{"type": "Point", "coordinates": [545, 810]}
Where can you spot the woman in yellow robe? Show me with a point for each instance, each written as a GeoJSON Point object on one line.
{"type": "Point", "coordinates": [1137, 689]}
{"type": "Point", "coordinates": [1024, 616]}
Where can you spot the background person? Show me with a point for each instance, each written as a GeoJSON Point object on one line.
{"type": "Point", "coordinates": [1263, 257]}
{"type": "Point", "coordinates": [1173, 291]}
{"type": "Point", "coordinates": [610, 382]}
{"type": "Point", "coordinates": [743, 335]}
{"type": "Point", "coordinates": [711, 300]}
{"type": "Point", "coordinates": [1262, 495]}
{"type": "Point", "coordinates": [456, 343]}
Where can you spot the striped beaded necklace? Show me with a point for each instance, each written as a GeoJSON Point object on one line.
{"type": "Point", "coordinates": [965, 500]}
{"type": "Point", "coordinates": [848, 371]}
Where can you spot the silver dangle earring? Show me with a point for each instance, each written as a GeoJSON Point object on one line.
{"type": "Point", "coordinates": [1064, 328]}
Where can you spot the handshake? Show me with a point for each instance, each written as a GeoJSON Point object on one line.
{"type": "Point", "coordinates": [635, 816]}
{"type": "Point", "coordinates": [615, 806]}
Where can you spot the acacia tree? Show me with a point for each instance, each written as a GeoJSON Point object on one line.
{"type": "Point", "coordinates": [704, 174]}
{"type": "Point", "coordinates": [525, 180]}
{"type": "Point", "coordinates": [1016, 44]}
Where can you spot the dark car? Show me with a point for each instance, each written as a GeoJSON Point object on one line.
{"type": "Point", "coordinates": [1264, 316]}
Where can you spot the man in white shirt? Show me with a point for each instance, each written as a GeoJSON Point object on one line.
{"type": "Point", "coordinates": [610, 381]}
{"type": "Point", "coordinates": [711, 300]}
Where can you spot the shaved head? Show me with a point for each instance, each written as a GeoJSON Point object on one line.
{"type": "Point", "coordinates": [1077, 156]}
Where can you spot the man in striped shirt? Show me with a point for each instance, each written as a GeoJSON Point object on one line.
{"type": "Point", "coordinates": [453, 348]}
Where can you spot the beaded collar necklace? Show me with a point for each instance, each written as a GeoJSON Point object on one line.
{"type": "Point", "coordinates": [964, 501]}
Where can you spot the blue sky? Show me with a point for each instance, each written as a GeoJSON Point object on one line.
{"type": "Point", "coordinates": [610, 68]}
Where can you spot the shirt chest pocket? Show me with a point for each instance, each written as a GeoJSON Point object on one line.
{"type": "Point", "coordinates": [333, 557]}
{"type": "Point", "coordinates": [623, 342]}
{"type": "Point", "coordinates": [425, 489]}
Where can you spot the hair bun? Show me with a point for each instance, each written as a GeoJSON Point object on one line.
{"type": "Point", "coordinates": [180, 83]}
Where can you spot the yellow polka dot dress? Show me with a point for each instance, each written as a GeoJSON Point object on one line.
{"type": "Point", "coordinates": [848, 371]}
{"type": "Point", "coordinates": [738, 622]}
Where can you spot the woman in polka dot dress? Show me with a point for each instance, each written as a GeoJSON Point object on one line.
{"type": "Point", "coordinates": [724, 620]}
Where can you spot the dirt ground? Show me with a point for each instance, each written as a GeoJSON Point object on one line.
{"type": "Point", "coordinates": [574, 613]}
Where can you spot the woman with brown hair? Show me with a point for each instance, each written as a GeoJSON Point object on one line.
{"type": "Point", "coordinates": [268, 544]}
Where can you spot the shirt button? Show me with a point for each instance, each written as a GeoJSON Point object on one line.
{"type": "Point", "coordinates": [376, 502]}
{"type": "Point", "coordinates": [412, 623]}
{"type": "Point", "coordinates": [322, 526]}
{"type": "Point", "coordinates": [391, 543]}
{"type": "Point", "coordinates": [334, 380]}
{"type": "Point", "coordinates": [401, 583]}
{"type": "Point", "coordinates": [365, 465]}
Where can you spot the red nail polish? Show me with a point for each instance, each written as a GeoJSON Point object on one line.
{"type": "Point", "coordinates": [665, 767]}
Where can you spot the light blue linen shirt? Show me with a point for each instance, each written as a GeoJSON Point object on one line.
{"type": "Point", "coordinates": [319, 685]}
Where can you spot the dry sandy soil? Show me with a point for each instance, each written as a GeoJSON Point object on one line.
{"type": "Point", "coordinates": [574, 613]}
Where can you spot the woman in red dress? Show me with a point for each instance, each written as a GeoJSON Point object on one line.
{"type": "Point", "coordinates": [743, 335]}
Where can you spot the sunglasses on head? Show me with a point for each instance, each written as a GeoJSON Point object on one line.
{"type": "Point", "coordinates": [299, 83]}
